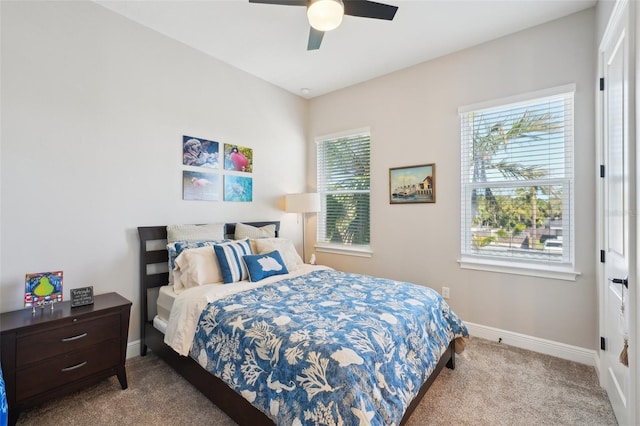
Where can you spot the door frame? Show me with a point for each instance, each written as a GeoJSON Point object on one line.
{"type": "Point", "coordinates": [634, 183]}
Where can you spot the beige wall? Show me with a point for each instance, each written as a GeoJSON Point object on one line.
{"type": "Point", "coordinates": [604, 8]}
{"type": "Point", "coordinates": [413, 118]}
{"type": "Point", "coordinates": [94, 107]}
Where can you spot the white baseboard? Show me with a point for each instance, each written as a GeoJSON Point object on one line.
{"type": "Point", "coordinates": [535, 344]}
{"type": "Point", "coordinates": [133, 349]}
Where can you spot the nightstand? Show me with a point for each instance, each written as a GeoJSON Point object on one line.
{"type": "Point", "coordinates": [53, 353]}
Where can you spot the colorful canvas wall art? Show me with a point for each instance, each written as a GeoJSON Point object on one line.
{"type": "Point", "coordinates": [200, 152]}
{"type": "Point", "coordinates": [238, 158]}
{"type": "Point", "coordinates": [200, 186]}
{"type": "Point", "coordinates": [238, 188]}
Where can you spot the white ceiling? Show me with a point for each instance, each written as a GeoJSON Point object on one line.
{"type": "Point", "coordinates": [269, 41]}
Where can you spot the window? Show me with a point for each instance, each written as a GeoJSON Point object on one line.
{"type": "Point", "coordinates": [344, 186]}
{"type": "Point", "coordinates": [517, 185]}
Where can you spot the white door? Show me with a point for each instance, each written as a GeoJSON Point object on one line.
{"type": "Point", "coordinates": [617, 227]}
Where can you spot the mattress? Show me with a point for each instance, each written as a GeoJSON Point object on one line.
{"type": "Point", "coordinates": [160, 324]}
{"type": "Point", "coordinates": [166, 297]}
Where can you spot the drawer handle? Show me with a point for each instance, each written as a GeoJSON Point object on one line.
{"type": "Point", "coordinates": [70, 339]}
{"type": "Point", "coordinates": [74, 367]}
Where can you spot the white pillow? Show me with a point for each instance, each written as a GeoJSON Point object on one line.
{"type": "Point", "coordinates": [197, 266]}
{"type": "Point", "coordinates": [247, 231]}
{"type": "Point", "coordinates": [208, 232]}
{"type": "Point", "coordinates": [292, 259]}
{"type": "Point", "coordinates": [175, 248]}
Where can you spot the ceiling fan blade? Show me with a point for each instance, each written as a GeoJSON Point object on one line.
{"type": "Point", "coordinates": [369, 9]}
{"type": "Point", "coordinates": [315, 38]}
{"type": "Point", "coordinates": [282, 2]}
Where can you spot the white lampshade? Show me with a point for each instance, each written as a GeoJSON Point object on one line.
{"type": "Point", "coordinates": [325, 15]}
{"type": "Point", "coordinates": [302, 203]}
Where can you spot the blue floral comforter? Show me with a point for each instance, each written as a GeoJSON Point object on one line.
{"type": "Point", "coordinates": [327, 348]}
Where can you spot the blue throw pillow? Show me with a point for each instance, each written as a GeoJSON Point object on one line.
{"type": "Point", "coordinates": [230, 260]}
{"type": "Point", "coordinates": [261, 266]}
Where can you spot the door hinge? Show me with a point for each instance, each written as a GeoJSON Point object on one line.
{"type": "Point", "coordinates": [601, 256]}
{"type": "Point", "coordinates": [601, 170]}
{"type": "Point", "coordinates": [602, 83]}
{"type": "Point", "coordinates": [603, 344]}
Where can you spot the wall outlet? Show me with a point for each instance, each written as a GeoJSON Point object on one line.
{"type": "Point", "coordinates": [445, 292]}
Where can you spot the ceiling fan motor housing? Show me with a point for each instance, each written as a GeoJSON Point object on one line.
{"type": "Point", "coordinates": [325, 15]}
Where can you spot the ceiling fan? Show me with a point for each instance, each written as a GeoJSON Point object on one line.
{"type": "Point", "coordinates": [326, 15]}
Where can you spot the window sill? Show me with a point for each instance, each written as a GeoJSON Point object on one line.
{"type": "Point", "coordinates": [566, 273]}
{"type": "Point", "coordinates": [359, 251]}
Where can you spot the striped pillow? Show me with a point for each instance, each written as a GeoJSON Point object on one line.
{"type": "Point", "coordinates": [230, 260]}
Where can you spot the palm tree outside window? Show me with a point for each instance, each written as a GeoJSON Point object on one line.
{"type": "Point", "coordinates": [517, 180]}
{"type": "Point", "coordinates": [344, 179]}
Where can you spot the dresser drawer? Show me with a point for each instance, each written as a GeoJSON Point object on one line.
{"type": "Point", "coordinates": [66, 368]}
{"type": "Point", "coordinates": [78, 334]}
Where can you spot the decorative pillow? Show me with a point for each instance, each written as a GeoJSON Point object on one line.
{"type": "Point", "coordinates": [230, 260]}
{"type": "Point", "coordinates": [292, 259]}
{"type": "Point", "coordinates": [197, 266]}
{"type": "Point", "coordinates": [247, 231]}
{"type": "Point", "coordinates": [208, 232]}
{"type": "Point", "coordinates": [178, 247]}
{"type": "Point", "coordinates": [261, 266]}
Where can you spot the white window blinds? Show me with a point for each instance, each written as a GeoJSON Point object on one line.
{"type": "Point", "coordinates": [344, 186]}
{"type": "Point", "coordinates": [517, 179]}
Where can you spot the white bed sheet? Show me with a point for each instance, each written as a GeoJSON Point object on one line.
{"type": "Point", "coordinates": [189, 304]}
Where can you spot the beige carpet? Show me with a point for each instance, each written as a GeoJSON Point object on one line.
{"type": "Point", "coordinates": [493, 384]}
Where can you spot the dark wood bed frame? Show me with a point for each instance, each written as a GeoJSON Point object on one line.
{"type": "Point", "coordinates": [228, 400]}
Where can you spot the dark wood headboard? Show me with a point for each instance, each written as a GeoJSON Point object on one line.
{"type": "Point", "coordinates": [153, 265]}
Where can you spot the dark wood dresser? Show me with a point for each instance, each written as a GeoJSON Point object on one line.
{"type": "Point", "coordinates": [53, 353]}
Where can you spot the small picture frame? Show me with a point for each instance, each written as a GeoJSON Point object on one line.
{"type": "Point", "coordinates": [81, 296]}
{"type": "Point", "coordinates": [412, 184]}
{"type": "Point", "coordinates": [42, 288]}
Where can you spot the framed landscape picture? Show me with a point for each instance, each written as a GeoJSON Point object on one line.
{"type": "Point", "coordinates": [412, 184]}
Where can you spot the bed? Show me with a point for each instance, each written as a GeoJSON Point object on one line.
{"type": "Point", "coordinates": [394, 384]}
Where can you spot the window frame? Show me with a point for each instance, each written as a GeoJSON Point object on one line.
{"type": "Point", "coordinates": [563, 270]}
{"type": "Point", "coordinates": [359, 250]}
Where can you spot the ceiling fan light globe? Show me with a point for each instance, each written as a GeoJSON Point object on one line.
{"type": "Point", "coordinates": [325, 15]}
